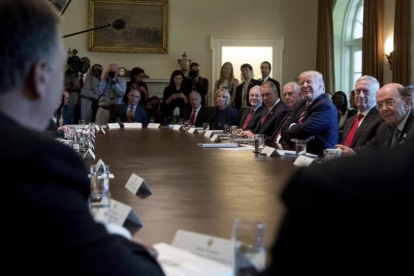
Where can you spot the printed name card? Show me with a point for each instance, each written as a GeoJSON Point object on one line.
{"type": "Point", "coordinates": [210, 247]}
{"type": "Point", "coordinates": [114, 125]}
{"type": "Point", "coordinates": [103, 131]}
{"type": "Point", "coordinates": [176, 127]}
{"type": "Point", "coordinates": [136, 183]}
{"type": "Point", "coordinates": [191, 130]}
{"type": "Point", "coordinates": [97, 128]}
{"type": "Point", "coordinates": [208, 133]}
{"type": "Point", "coordinates": [153, 125]}
{"type": "Point", "coordinates": [132, 125]}
{"type": "Point", "coordinates": [214, 138]}
{"type": "Point", "coordinates": [303, 161]}
{"type": "Point", "coordinates": [268, 151]}
{"type": "Point", "coordinates": [89, 154]}
{"type": "Point", "coordinates": [120, 213]}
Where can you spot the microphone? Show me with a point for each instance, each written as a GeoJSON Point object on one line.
{"type": "Point", "coordinates": [118, 24]}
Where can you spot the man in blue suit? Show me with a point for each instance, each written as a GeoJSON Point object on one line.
{"type": "Point", "coordinates": [314, 118]}
{"type": "Point", "coordinates": [131, 112]}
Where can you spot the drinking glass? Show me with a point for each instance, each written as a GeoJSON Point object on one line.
{"type": "Point", "coordinates": [300, 147]}
{"type": "Point", "coordinates": [249, 256]}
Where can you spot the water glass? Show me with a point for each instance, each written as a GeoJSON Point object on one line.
{"type": "Point", "coordinates": [330, 154]}
{"type": "Point", "coordinates": [81, 122]}
{"type": "Point", "coordinates": [234, 132]}
{"type": "Point", "coordinates": [206, 127]}
{"type": "Point", "coordinates": [99, 206]}
{"type": "Point", "coordinates": [248, 239]}
{"type": "Point", "coordinates": [300, 147]}
{"type": "Point", "coordinates": [259, 142]}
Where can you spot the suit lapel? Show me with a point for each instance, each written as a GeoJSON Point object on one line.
{"type": "Point", "coordinates": [365, 123]}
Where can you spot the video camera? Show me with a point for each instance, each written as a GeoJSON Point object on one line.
{"type": "Point", "coordinates": [74, 64]}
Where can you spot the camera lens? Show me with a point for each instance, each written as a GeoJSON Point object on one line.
{"type": "Point", "coordinates": [111, 75]}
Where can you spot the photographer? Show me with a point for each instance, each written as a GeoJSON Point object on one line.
{"type": "Point", "coordinates": [197, 83]}
{"type": "Point", "coordinates": [90, 91]}
{"type": "Point", "coordinates": [111, 91]}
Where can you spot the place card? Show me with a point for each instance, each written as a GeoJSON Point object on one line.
{"type": "Point", "coordinates": [97, 128]}
{"type": "Point", "coordinates": [303, 161]}
{"type": "Point", "coordinates": [91, 146]}
{"type": "Point", "coordinates": [88, 154]}
{"type": "Point", "coordinates": [208, 133]}
{"type": "Point", "coordinates": [268, 151]}
{"type": "Point", "coordinates": [136, 183]}
{"type": "Point", "coordinates": [214, 138]}
{"type": "Point", "coordinates": [176, 127]}
{"type": "Point", "coordinates": [103, 131]}
{"type": "Point", "coordinates": [132, 125]}
{"type": "Point", "coordinates": [114, 126]}
{"type": "Point", "coordinates": [120, 213]}
{"type": "Point", "coordinates": [191, 130]}
{"type": "Point", "coordinates": [153, 125]}
{"type": "Point", "coordinates": [209, 247]}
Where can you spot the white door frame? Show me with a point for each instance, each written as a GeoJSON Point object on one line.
{"type": "Point", "coordinates": [218, 42]}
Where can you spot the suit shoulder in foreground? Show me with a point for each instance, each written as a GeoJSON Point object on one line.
{"type": "Point", "coordinates": [349, 215]}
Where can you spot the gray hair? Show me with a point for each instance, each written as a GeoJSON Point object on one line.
{"type": "Point", "coordinates": [374, 82]}
{"type": "Point", "coordinates": [295, 85]}
{"type": "Point", "coordinates": [29, 33]}
{"type": "Point", "coordinates": [271, 85]}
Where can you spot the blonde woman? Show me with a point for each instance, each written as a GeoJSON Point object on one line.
{"type": "Point", "coordinates": [227, 80]}
{"type": "Point", "coordinates": [224, 115]}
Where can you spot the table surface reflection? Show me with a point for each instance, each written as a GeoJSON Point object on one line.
{"type": "Point", "coordinates": [196, 189]}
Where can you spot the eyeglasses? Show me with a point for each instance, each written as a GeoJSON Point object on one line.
{"type": "Point", "coordinates": [387, 103]}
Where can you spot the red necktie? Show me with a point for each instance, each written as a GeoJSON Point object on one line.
{"type": "Point", "coordinates": [192, 119]}
{"type": "Point", "coordinates": [264, 117]}
{"type": "Point", "coordinates": [351, 134]}
{"type": "Point", "coordinates": [303, 114]}
{"type": "Point", "coordinates": [248, 118]}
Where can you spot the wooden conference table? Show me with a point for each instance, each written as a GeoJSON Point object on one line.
{"type": "Point", "coordinates": [195, 189]}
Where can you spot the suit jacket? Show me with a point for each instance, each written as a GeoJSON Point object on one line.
{"type": "Point", "coordinates": [366, 131]}
{"type": "Point", "coordinates": [339, 220]}
{"type": "Point", "coordinates": [275, 118]}
{"type": "Point", "coordinates": [203, 116]}
{"type": "Point", "coordinates": [239, 92]}
{"type": "Point", "coordinates": [279, 126]}
{"type": "Point", "coordinates": [320, 125]}
{"type": "Point", "coordinates": [252, 125]}
{"type": "Point", "coordinates": [140, 116]}
{"type": "Point", "coordinates": [276, 83]}
{"type": "Point", "coordinates": [89, 94]}
{"type": "Point", "coordinates": [53, 129]}
{"type": "Point", "coordinates": [384, 135]}
{"type": "Point", "coordinates": [67, 113]}
{"type": "Point", "coordinates": [57, 231]}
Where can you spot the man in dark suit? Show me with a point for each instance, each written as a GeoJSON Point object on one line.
{"type": "Point", "coordinates": [314, 118]}
{"type": "Point", "coordinates": [65, 115]}
{"type": "Point", "coordinates": [197, 114]}
{"type": "Point", "coordinates": [272, 115]}
{"type": "Point", "coordinates": [131, 112]}
{"type": "Point", "coordinates": [291, 92]}
{"type": "Point", "coordinates": [242, 90]}
{"type": "Point", "coordinates": [49, 219]}
{"type": "Point", "coordinates": [394, 105]}
{"type": "Point", "coordinates": [251, 116]}
{"type": "Point", "coordinates": [265, 69]}
{"type": "Point", "coordinates": [349, 216]}
{"type": "Point", "coordinates": [362, 127]}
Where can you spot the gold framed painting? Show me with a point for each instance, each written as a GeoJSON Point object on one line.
{"type": "Point", "coordinates": [146, 29]}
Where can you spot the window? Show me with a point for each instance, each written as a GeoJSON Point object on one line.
{"type": "Point", "coordinates": [348, 31]}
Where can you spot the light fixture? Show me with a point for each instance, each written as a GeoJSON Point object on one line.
{"type": "Point", "coordinates": [388, 49]}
